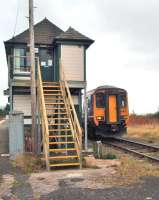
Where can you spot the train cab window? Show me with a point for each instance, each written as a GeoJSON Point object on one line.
{"type": "Point", "coordinates": [88, 102]}
{"type": "Point", "coordinates": [123, 102]}
{"type": "Point", "coordinates": [100, 100]}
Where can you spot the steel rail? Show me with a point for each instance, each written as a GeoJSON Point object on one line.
{"type": "Point", "coordinates": [130, 150]}
{"type": "Point", "coordinates": [137, 143]}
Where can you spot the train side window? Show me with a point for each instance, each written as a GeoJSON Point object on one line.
{"type": "Point", "coordinates": [123, 101]}
{"type": "Point", "coordinates": [100, 100]}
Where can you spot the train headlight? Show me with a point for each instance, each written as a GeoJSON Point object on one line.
{"type": "Point", "coordinates": [100, 118]}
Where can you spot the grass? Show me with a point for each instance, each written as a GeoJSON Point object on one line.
{"type": "Point", "coordinates": [146, 132]}
{"type": "Point", "coordinates": [130, 171]}
{"type": "Point", "coordinates": [104, 153]}
{"type": "Point", "coordinates": [94, 167]}
{"type": "Point", "coordinates": [109, 153]}
{"type": "Point", "coordinates": [144, 127]}
{"type": "Point", "coordinates": [139, 168]}
{"type": "Point", "coordinates": [0, 178]}
{"type": "Point", "coordinates": [29, 163]}
{"type": "Point", "coordinates": [16, 184]}
{"type": "Point", "coordinates": [110, 156]}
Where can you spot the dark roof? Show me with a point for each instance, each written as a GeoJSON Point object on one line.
{"type": "Point", "coordinates": [45, 32]}
{"type": "Point", "coordinates": [107, 88]}
{"type": "Point", "coordinates": [72, 34]}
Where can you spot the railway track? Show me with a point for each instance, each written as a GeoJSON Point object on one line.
{"type": "Point", "coordinates": [139, 149]}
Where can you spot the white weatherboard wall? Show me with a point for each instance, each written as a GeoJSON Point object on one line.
{"type": "Point", "coordinates": [75, 99]}
{"type": "Point", "coordinates": [22, 103]}
{"type": "Point", "coordinates": [72, 57]}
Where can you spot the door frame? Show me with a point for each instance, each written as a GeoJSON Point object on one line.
{"type": "Point", "coordinates": [107, 108]}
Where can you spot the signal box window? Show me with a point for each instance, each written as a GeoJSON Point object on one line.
{"type": "Point", "coordinates": [100, 100]}
{"type": "Point", "coordinates": [21, 61]}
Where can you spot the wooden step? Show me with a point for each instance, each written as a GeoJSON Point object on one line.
{"type": "Point", "coordinates": [60, 150]}
{"type": "Point", "coordinates": [51, 86]}
{"type": "Point", "coordinates": [57, 113]}
{"type": "Point", "coordinates": [58, 124]}
{"type": "Point", "coordinates": [54, 103]}
{"type": "Point", "coordinates": [64, 164]}
{"type": "Point", "coordinates": [54, 98]}
{"type": "Point", "coordinates": [62, 142]}
{"type": "Point", "coordinates": [60, 136]}
{"type": "Point", "coordinates": [60, 118]}
{"type": "Point", "coordinates": [55, 130]}
{"type": "Point", "coordinates": [53, 94]}
{"type": "Point", "coordinates": [55, 108]}
{"type": "Point", "coordinates": [62, 157]}
{"type": "Point", "coordinates": [45, 82]}
{"type": "Point", "coordinates": [52, 90]}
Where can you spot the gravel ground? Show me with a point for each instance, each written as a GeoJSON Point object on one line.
{"type": "Point", "coordinates": [148, 190]}
{"type": "Point", "coordinates": [20, 186]}
{"type": "Point", "coordinates": [20, 189]}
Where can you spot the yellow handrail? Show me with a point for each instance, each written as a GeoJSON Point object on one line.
{"type": "Point", "coordinates": [43, 114]}
{"type": "Point", "coordinates": [76, 128]}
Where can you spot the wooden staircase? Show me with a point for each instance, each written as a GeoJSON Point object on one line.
{"type": "Point", "coordinates": [62, 134]}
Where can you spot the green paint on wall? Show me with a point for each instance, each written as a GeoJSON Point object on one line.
{"type": "Point", "coordinates": [57, 63]}
{"type": "Point", "coordinates": [85, 64]}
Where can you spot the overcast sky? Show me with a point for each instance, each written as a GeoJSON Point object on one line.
{"type": "Point", "coordinates": [126, 49]}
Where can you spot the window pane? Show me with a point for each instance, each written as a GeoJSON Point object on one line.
{"type": "Point", "coordinates": [123, 101]}
{"type": "Point", "coordinates": [22, 60]}
{"type": "Point", "coordinates": [16, 59]}
{"type": "Point", "coordinates": [100, 100]}
{"type": "Point", "coordinates": [19, 60]}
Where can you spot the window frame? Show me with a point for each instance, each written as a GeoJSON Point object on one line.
{"type": "Point", "coordinates": [101, 104]}
{"type": "Point", "coordinates": [123, 98]}
{"type": "Point", "coordinates": [24, 60]}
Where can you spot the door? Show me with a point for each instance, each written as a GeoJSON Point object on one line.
{"type": "Point", "coordinates": [46, 63]}
{"type": "Point", "coordinates": [112, 109]}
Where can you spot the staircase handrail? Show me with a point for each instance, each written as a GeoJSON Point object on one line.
{"type": "Point", "coordinates": [43, 115]}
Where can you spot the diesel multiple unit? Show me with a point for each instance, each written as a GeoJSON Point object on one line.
{"type": "Point", "coordinates": [107, 111]}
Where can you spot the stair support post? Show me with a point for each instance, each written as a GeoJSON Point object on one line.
{"type": "Point", "coordinates": [85, 117]}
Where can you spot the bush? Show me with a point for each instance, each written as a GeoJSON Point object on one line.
{"type": "Point", "coordinates": [2, 113]}
{"type": "Point", "coordinates": [5, 111]}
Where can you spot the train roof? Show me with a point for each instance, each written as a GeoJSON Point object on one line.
{"type": "Point", "coordinates": [108, 88]}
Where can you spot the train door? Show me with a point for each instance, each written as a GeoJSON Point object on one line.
{"type": "Point", "coordinates": [112, 103]}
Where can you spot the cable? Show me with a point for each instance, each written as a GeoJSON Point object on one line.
{"type": "Point", "coordinates": [16, 19]}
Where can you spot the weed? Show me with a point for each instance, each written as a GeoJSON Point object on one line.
{"type": "Point", "coordinates": [94, 167]}
{"type": "Point", "coordinates": [36, 196]}
{"type": "Point", "coordinates": [129, 172]}
{"type": "Point", "coordinates": [16, 184]}
{"type": "Point", "coordinates": [29, 163]}
{"type": "Point", "coordinates": [147, 132]}
{"type": "Point", "coordinates": [109, 156]}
